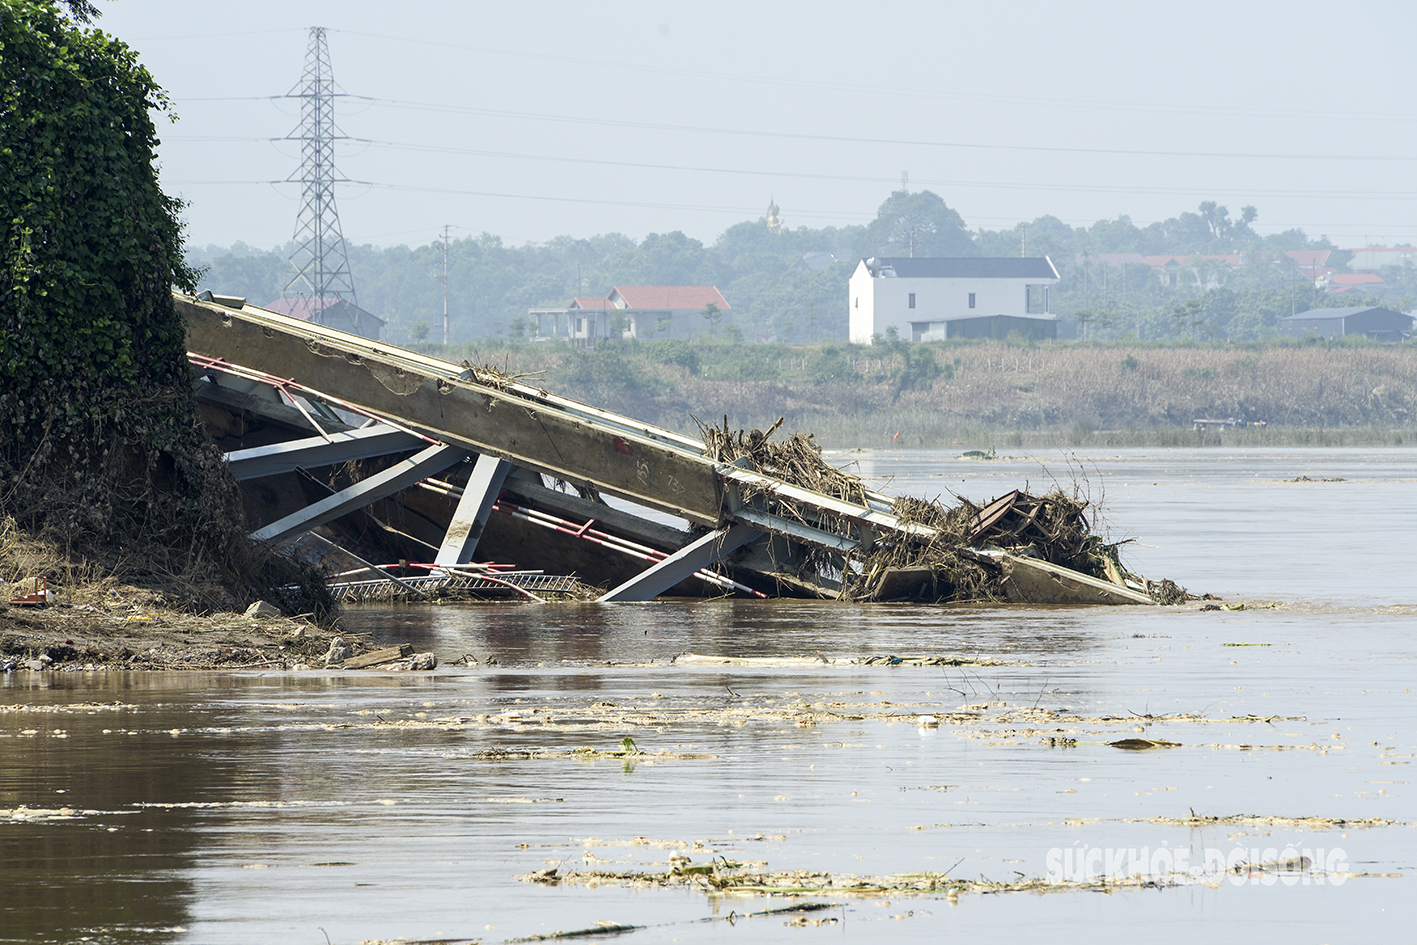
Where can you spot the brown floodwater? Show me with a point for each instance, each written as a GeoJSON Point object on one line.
{"type": "Point", "coordinates": [301, 807]}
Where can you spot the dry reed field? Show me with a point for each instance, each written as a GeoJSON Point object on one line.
{"type": "Point", "coordinates": [1316, 394]}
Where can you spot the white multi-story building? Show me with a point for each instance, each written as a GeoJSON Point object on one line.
{"type": "Point", "coordinates": [927, 299]}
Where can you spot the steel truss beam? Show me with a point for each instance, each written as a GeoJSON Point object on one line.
{"type": "Point", "coordinates": [655, 580]}
{"type": "Point", "coordinates": [318, 451]}
{"type": "Point", "coordinates": [474, 508]}
{"type": "Point", "coordinates": [420, 466]}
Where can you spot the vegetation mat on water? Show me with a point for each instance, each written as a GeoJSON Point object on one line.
{"type": "Point", "coordinates": [726, 876]}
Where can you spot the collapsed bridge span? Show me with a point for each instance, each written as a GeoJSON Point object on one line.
{"type": "Point", "coordinates": [421, 455]}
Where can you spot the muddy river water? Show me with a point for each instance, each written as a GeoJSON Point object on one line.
{"type": "Point", "coordinates": [347, 807]}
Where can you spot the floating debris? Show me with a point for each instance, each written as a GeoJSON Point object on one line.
{"type": "Point", "coordinates": [725, 876]}
{"type": "Point", "coordinates": [1143, 744]}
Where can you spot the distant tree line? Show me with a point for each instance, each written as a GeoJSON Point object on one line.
{"type": "Point", "coordinates": [777, 292]}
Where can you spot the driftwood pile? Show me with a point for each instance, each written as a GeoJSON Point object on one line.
{"type": "Point", "coordinates": [1054, 527]}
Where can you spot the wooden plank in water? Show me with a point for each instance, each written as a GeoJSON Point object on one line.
{"type": "Point", "coordinates": [389, 654]}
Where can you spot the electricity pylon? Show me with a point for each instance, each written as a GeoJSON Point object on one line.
{"type": "Point", "coordinates": [319, 265]}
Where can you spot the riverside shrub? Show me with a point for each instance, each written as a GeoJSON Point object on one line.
{"type": "Point", "coordinates": [99, 439]}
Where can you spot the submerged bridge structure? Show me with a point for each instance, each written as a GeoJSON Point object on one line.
{"type": "Point", "coordinates": [445, 463]}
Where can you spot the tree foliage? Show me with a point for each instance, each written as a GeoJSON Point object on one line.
{"type": "Point", "coordinates": [918, 224]}
{"type": "Point", "coordinates": [98, 432]}
{"type": "Point", "coordinates": [783, 284]}
{"type": "Point", "coordinates": [91, 244]}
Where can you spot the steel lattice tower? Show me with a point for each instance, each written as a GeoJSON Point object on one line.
{"type": "Point", "coordinates": [319, 264]}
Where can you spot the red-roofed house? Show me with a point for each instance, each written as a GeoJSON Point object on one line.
{"type": "Point", "coordinates": [332, 313]}
{"type": "Point", "coordinates": [632, 311]}
{"type": "Point", "coordinates": [1312, 264]}
{"type": "Point", "coordinates": [1342, 283]}
{"type": "Point", "coordinates": [1169, 268]}
{"type": "Point", "coordinates": [675, 298]}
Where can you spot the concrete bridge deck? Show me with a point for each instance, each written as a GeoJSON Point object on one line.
{"type": "Point", "coordinates": [424, 417]}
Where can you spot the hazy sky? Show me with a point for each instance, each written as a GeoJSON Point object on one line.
{"type": "Point", "coordinates": [533, 120]}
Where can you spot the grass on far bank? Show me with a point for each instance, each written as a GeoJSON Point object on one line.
{"type": "Point", "coordinates": [980, 393]}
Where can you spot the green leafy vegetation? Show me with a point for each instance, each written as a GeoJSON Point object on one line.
{"type": "Point", "coordinates": [99, 441]}
{"type": "Point", "coordinates": [790, 286]}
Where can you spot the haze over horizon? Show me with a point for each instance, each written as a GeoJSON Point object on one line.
{"type": "Point", "coordinates": [643, 117]}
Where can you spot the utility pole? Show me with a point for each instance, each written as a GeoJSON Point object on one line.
{"type": "Point", "coordinates": [319, 265]}
{"type": "Point", "coordinates": [447, 323]}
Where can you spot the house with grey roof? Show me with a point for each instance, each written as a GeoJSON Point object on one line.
{"type": "Point", "coordinates": [1380, 324]}
{"type": "Point", "coordinates": [948, 297]}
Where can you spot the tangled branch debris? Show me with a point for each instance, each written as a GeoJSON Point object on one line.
{"type": "Point", "coordinates": [797, 460]}
{"type": "Point", "coordinates": [945, 562]}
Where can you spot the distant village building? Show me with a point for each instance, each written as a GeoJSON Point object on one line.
{"type": "Point", "coordinates": [1380, 324]}
{"type": "Point", "coordinates": [1206, 270]}
{"type": "Point", "coordinates": [336, 313]}
{"type": "Point", "coordinates": [1344, 283]}
{"type": "Point", "coordinates": [644, 312]}
{"type": "Point", "coordinates": [1041, 328]}
{"type": "Point", "coordinates": [1373, 258]}
{"type": "Point", "coordinates": [1311, 264]}
{"type": "Point", "coordinates": [1203, 270]}
{"type": "Point", "coordinates": [926, 299]}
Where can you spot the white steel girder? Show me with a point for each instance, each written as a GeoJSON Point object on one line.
{"type": "Point", "coordinates": [378, 440]}
{"type": "Point", "coordinates": [478, 497]}
{"type": "Point", "coordinates": [660, 577]}
{"type": "Point", "coordinates": [417, 467]}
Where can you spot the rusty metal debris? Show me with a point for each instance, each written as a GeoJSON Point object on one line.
{"type": "Point", "coordinates": [42, 596]}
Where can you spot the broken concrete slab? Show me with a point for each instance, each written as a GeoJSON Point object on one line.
{"type": "Point", "coordinates": [262, 609]}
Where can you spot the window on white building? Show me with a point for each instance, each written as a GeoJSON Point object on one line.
{"type": "Point", "coordinates": [971, 300]}
{"type": "Point", "coordinates": [1036, 300]}
{"type": "Point", "coordinates": [912, 300]}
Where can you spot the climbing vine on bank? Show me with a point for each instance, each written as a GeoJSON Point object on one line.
{"type": "Point", "coordinates": [100, 446]}
{"type": "Point", "coordinates": [89, 341]}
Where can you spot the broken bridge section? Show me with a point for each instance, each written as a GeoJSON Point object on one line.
{"type": "Point", "coordinates": [429, 464]}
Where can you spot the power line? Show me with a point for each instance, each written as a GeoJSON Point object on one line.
{"type": "Point", "coordinates": [1150, 108]}
{"type": "Point", "coordinates": [754, 212]}
{"type": "Point", "coordinates": [851, 139]}
{"type": "Point", "coordinates": [797, 175]}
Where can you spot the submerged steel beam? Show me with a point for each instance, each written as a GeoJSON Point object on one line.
{"type": "Point", "coordinates": [470, 518]}
{"type": "Point", "coordinates": [316, 451]}
{"type": "Point", "coordinates": [660, 577]}
{"type": "Point", "coordinates": [420, 466]}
